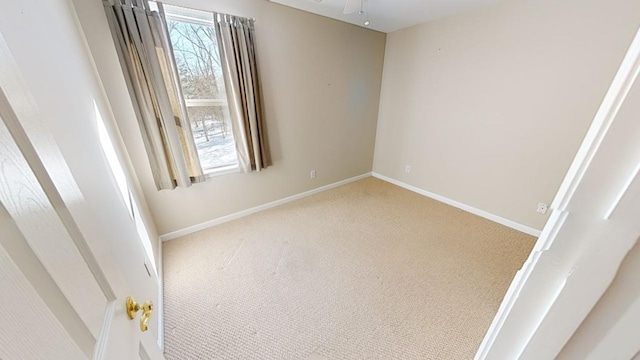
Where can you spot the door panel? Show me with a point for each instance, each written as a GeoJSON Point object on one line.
{"type": "Point", "coordinates": [25, 315]}
{"type": "Point", "coordinates": [46, 234]}
{"type": "Point", "coordinates": [36, 239]}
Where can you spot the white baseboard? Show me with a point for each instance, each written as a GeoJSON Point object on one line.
{"type": "Point", "coordinates": [495, 218]}
{"type": "Point", "coordinates": [243, 213]}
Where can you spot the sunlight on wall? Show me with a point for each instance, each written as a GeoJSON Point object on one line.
{"type": "Point", "coordinates": [123, 186]}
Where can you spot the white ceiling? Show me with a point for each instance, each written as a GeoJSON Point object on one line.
{"type": "Point", "coordinates": [388, 15]}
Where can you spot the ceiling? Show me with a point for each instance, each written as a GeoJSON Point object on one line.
{"type": "Point", "coordinates": [388, 15]}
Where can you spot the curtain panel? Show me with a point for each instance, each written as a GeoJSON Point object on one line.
{"type": "Point", "coordinates": [236, 43]}
{"type": "Point", "coordinates": [146, 57]}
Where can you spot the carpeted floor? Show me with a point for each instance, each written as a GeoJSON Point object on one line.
{"type": "Point", "coordinates": [364, 271]}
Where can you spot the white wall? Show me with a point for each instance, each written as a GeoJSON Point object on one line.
{"type": "Point", "coordinates": [489, 107]}
{"type": "Point", "coordinates": [321, 81]}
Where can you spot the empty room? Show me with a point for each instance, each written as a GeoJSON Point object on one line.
{"type": "Point", "coordinates": [320, 179]}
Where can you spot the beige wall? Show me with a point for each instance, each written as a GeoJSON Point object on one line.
{"type": "Point", "coordinates": [489, 107]}
{"type": "Point", "coordinates": [321, 81]}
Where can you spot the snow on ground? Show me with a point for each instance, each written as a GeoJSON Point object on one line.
{"type": "Point", "coordinates": [218, 151]}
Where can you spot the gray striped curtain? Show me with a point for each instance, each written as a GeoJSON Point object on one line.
{"type": "Point", "coordinates": [236, 42]}
{"type": "Point", "coordinates": [146, 57]}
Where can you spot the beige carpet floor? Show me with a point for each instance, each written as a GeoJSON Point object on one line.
{"type": "Point", "coordinates": [364, 271]}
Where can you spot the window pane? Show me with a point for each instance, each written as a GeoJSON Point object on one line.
{"type": "Point", "coordinates": [212, 132]}
{"type": "Point", "coordinates": [194, 47]}
{"type": "Point", "coordinates": [198, 61]}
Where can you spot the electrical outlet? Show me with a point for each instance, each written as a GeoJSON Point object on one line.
{"type": "Point", "coordinates": [542, 208]}
{"type": "Point", "coordinates": [312, 174]}
{"type": "Point", "coordinates": [407, 169]}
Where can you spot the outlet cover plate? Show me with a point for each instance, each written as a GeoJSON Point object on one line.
{"type": "Point", "coordinates": [542, 208]}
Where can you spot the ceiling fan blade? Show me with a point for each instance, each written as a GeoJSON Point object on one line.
{"type": "Point", "coordinates": [352, 6]}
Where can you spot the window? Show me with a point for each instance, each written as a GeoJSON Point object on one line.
{"type": "Point", "coordinates": [228, 123]}
{"type": "Point", "coordinates": [198, 61]}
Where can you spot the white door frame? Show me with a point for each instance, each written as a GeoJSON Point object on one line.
{"type": "Point", "coordinates": [539, 294]}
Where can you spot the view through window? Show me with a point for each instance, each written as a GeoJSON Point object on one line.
{"type": "Point", "coordinates": [198, 61]}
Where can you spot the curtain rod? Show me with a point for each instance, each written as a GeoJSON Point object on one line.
{"type": "Point", "coordinates": [145, 5]}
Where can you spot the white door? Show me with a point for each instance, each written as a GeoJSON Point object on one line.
{"type": "Point", "coordinates": [70, 253]}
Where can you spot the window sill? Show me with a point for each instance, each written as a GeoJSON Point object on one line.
{"type": "Point", "coordinates": [223, 170]}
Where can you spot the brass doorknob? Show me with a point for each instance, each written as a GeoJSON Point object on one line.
{"type": "Point", "coordinates": [147, 310]}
